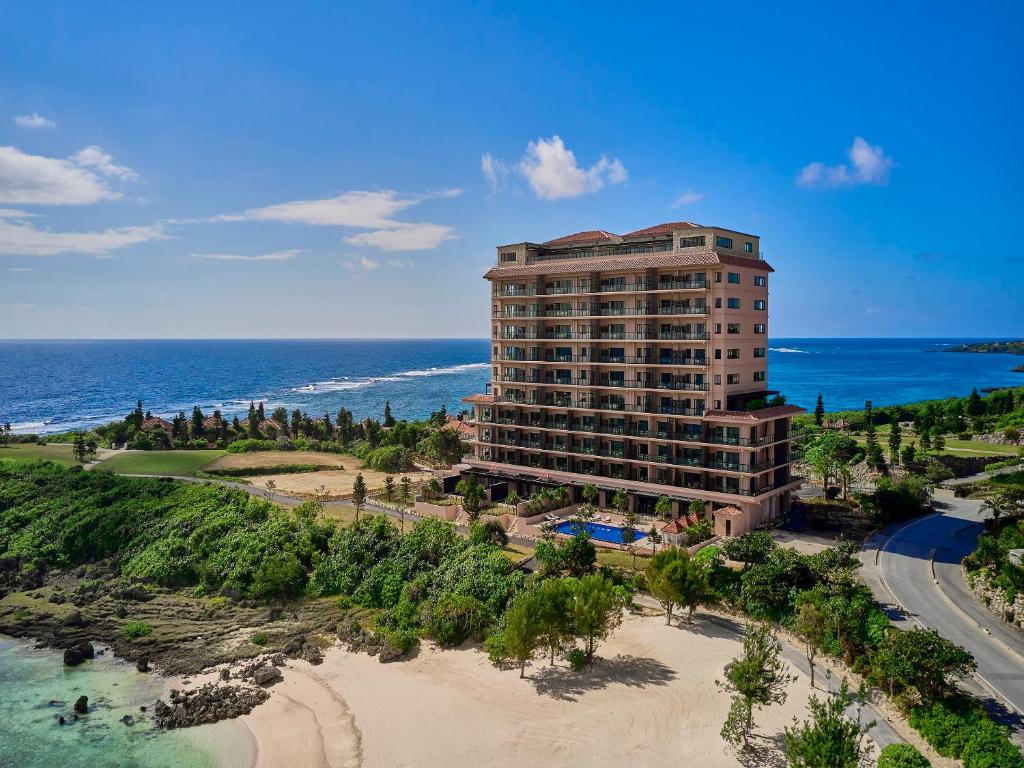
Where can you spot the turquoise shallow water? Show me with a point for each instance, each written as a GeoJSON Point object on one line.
{"type": "Point", "coordinates": [30, 736]}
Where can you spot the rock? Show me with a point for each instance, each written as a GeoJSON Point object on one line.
{"type": "Point", "coordinates": [274, 614]}
{"type": "Point", "coordinates": [87, 650]}
{"type": "Point", "coordinates": [142, 708]}
{"type": "Point", "coordinates": [82, 705]}
{"type": "Point", "coordinates": [231, 594]}
{"type": "Point", "coordinates": [73, 656]}
{"type": "Point", "coordinates": [267, 676]}
{"type": "Point", "coordinates": [128, 720]}
{"type": "Point", "coordinates": [142, 664]}
{"type": "Point", "coordinates": [136, 593]}
{"type": "Point", "coordinates": [277, 659]}
{"type": "Point", "coordinates": [61, 720]}
{"type": "Point", "coordinates": [225, 674]}
{"type": "Point", "coordinates": [208, 704]}
{"type": "Point", "coordinates": [120, 611]}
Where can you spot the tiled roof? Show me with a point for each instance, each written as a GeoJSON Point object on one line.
{"type": "Point", "coordinates": [478, 398]}
{"type": "Point", "coordinates": [674, 526]}
{"type": "Point", "coordinates": [662, 229]}
{"type": "Point", "coordinates": [157, 423]}
{"type": "Point", "coordinates": [464, 429]}
{"type": "Point", "coordinates": [641, 261]}
{"type": "Point", "coordinates": [582, 237]}
{"type": "Point", "coordinates": [728, 512]}
{"type": "Point", "coordinates": [758, 415]}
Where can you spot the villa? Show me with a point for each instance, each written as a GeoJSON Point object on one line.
{"type": "Point", "coordinates": [636, 362]}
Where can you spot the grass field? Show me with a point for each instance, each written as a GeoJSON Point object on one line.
{"type": "Point", "coordinates": [181, 463]}
{"type": "Point", "coordinates": [954, 447]}
{"type": "Point", "coordinates": [59, 452]}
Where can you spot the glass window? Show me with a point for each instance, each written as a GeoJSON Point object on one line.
{"type": "Point", "coordinates": [718, 354]}
{"type": "Point", "coordinates": [733, 354]}
{"type": "Point", "coordinates": [691, 242]}
{"type": "Point", "coordinates": [718, 378]}
{"type": "Point", "coordinates": [723, 242]}
{"type": "Point", "coordinates": [735, 304]}
{"type": "Point", "coordinates": [759, 304]}
{"type": "Point", "coordinates": [734, 277]}
{"type": "Point", "coordinates": [718, 277]}
{"type": "Point", "coordinates": [759, 351]}
{"type": "Point", "coordinates": [718, 302]}
{"type": "Point", "coordinates": [759, 328]}
{"type": "Point", "coordinates": [758, 375]}
{"type": "Point", "coordinates": [734, 328]}
{"type": "Point", "coordinates": [760, 280]}
{"type": "Point", "coordinates": [733, 378]}
{"type": "Point", "coordinates": [718, 327]}
{"type": "Point", "coordinates": [748, 247]}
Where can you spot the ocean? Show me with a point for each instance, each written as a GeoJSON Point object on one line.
{"type": "Point", "coordinates": [52, 386]}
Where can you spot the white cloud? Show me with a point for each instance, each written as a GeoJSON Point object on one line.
{"type": "Point", "coordinates": [404, 237]}
{"type": "Point", "coordinates": [22, 238]}
{"type": "Point", "coordinates": [374, 211]}
{"type": "Point", "coordinates": [94, 157]}
{"type": "Point", "coordinates": [687, 198]}
{"type": "Point", "coordinates": [20, 269]}
{"type": "Point", "coordinates": [361, 262]}
{"type": "Point", "coordinates": [868, 165]}
{"type": "Point", "coordinates": [494, 170]}
{"type": "Point", "coordinates": [35, 120]}
{"type": "Point", "coordinates": [13, 213]}
{"type": "Point", "coordinates": [553, 173]}
{"type": "Point", "coordinates": [37, 180]}
{"type": "Point", "coordinates": [401, 263]}
{"type": "Point", "coordinates": [272, 256]}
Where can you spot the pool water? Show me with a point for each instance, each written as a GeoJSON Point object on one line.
{"type": "Point", "coordinates": [598, 531]}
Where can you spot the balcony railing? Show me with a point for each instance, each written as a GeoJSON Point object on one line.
{"type": "Point", "coordinates": [584, 287]}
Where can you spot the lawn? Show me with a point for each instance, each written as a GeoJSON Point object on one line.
{"type": "Point", "coordinates": [180, 463]}
{"type": "Point", "coordinates": [617, 558]}
{"type": "Point", "coordinates": [954, 447]}
{"type": "Point", "coordinates": [58, 452]}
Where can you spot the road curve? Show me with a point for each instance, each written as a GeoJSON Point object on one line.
{"type": "Point", "coordinates": [914, 570]}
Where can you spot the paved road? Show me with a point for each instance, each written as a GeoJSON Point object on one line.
{"type": "Point", "coordinates": [914, 570]}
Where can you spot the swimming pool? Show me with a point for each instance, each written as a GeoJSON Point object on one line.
{"type": "Point", "coordinates": [598, 531]}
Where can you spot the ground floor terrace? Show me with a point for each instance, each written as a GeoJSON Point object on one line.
{"type": "Point", "coordinates": [733, 513]}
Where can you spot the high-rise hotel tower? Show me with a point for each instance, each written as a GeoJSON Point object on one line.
{"type": "Point", "coordinates": [636, 362]}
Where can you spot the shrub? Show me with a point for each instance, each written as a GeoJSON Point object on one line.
{"type": "Point", "coordinates": [455, 618]}
{"type": "Point", "coordinates": [249, 445]}
{"type": "Point", "coordinates": [902, 756]}
{"type": "Point", "coordinates": [1011, 434]}
{"type": "Point", "coordinates": [490, 532]}
{"type": "Point", "coordinates": [200, 443]}
{"type": "Point", "coordinates": [260, 638]}
{"type": "Point", "coordinates": [391, 458]}
{"type": "Point", "coordinates": [136, 629]}
{"type": "Point", "coordinates": [577, 659]}
{"type": "Point", "coordinates": [960, 728]}
{"type": "Point", "coordinates": [700, 531]}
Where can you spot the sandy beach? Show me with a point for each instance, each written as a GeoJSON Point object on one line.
{"type": "Point", "coordinates": [650, 699]}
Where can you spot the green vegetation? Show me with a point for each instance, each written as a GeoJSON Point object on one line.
{"type": "Point", "coordinates": [991, 560]}
{"type": "Point", "coordinates": [259, 638]}
{"type": "Point", "coordinates": [173, 463]}
{"type": "Point", "coordinates": [133, 630]}
{"type": "Point", "coordinates": [830, 739]}
{"type": "Point", "coordinates": [959, 728]}
{"type": "Point", "coordinates": [902, 756]}
{"type": "Point", "coordinates": [58, 452]}
{"type": "Point", "coordinates": [271, 469]}
{"type": "Point", "coordinates": [675, 578]}
{"type": "Point", "coordinates": [1006, 347]}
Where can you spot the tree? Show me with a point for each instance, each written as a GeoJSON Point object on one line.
{"type": "Point", "coordinates": [823, 455]}
{"type": "Point", "coordinates": [261, 415]}
{"type": "Point", "coordinates": [926, 440]}
{"type": "Point", "coordinates": [873, 451]}
{"type": "Point", "coordinates": [756, 678]}
{"type": "Point", "coordinates": [196, 428]}
{"type": "Point", "coordinates": [938, 441]}
{"type": "Point", "coordinates": [596, 610]}
{"type": "Point", "coordinates": [902, 756]}
{"type": "Point", "coordinates": [83, 447]}
{"type": "Point", "coordinates": [405, 497]}
{"type": "Point", "coordinates": [5, 433]}
{"type": "Point", "coordinates": [830, 739]}
{"type": "Point", "coordinates": [254, 422]}
{"type": "Point", "coordinates": [819, 411]}
{"type": "Point", "coordinates": [389, 488]}
{"type": "Point", "coordinates": [975, 406]}
{"type": "Point", "coordinates": [554, 614]}
{"type": "Point", "coordinates": [389, 420]}
{"type": "Point", "coordinates": [663, 507]}
{"type": "Point", "coordinates": [655, 538]}
{"type": "Point", "coordinates": [923, 660]}
{"type": "Point", "coordinates": [895, 441]}
{"type": "Point", "coordinates": [577, 555]}
{"type": "Point", "coordinates": [675, 578]}
{"type": "Point", "coordinates": [629, 534]}
{"type": "Point", "coordinates": [271, 487]}
{"type": "Point", "coordinates": [621, 502]}
{"type": "Point", "coordinates": [752, 547]}
{"type": "Point", "coordinates": [472, 494]}
{"type": "Point", "coordinates": [359, 494]}
{"type": "Point", "coordinates": [589, 493]}
{"type": "Point", "coordinates": [519, 637]}
{"type": "Point", "coordinates": [695, 508]}
{"type": "Point", "coordinates": [280, 416]}
{"type": "Point", "coordinates": [811, 624]}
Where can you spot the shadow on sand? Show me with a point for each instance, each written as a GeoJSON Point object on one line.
{"type": "Point", "coordinates": [563, 683]}
{"type": "Point", "coordinates": [762, 752]}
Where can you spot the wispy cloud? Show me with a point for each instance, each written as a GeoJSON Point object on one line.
{"type": "Point", "coordinates": [373, 211]}
{"type": "Point", "coordinates": [361, 262]}
{"type": "Point", "coordinates": [867, 165]}
{"type": "Point", "coordinates": [551, 170]}
{"type": "Point", "coordinates": [687, 198]}
{"type": "Point", "coordinates": [35, 120]}
{"type": "Point", "coordinates": [272, 256]}
{"type": "Point", "coordinates": [399, 263]}
{"type": "Point", "coordinates": [78, 180]}
{"type": "Point", "coordinates": [20, 269]}
{"type": "Point", "coordinates": [22, 238]}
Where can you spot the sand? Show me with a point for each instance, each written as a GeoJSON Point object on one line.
{"type": "Point", "coordinates": [650, 700]}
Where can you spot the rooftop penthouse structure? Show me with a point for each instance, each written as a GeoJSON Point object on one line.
{"type": "Point", "coordinates": [636, 362]}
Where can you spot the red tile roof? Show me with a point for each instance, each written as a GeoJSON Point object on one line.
{"type": "Point", "coordinates": [157, 423]}
{"type": "Point", "coordinates": [758, 415]}
{"type": "Point", "coordinates": [674, 526]}
{"type": "Point", "coordinates": [485, 399]}
{"type": "Point", "coordinates": [589, 236]}
{"type": "Point", "coordinates": [464, 429]}
{"type": "Point", "coordinates": [643, 261]}
{"type": "Point", "coordinates": [728, 512]}
{"type": "Point", "coordinates": [662, 229]}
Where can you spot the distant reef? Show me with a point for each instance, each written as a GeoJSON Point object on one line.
{"type": "Point", "coordinates": [1011, 347]}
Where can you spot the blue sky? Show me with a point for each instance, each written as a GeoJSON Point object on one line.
{"type": "Point", "coordinates": [328, 170]}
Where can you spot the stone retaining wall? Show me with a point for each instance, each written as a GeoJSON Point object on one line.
{"type": "Point", "coordinates": [994, 598]}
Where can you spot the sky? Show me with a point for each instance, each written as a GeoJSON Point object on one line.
{"type": "Point", "coordinates": [342, 170]}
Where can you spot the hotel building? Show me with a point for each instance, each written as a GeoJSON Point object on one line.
{"type": "Point", "coordinates": [636, 362]}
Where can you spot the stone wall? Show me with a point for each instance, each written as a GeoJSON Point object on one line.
{"type": "Point", "coordinates": [994, 598]}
